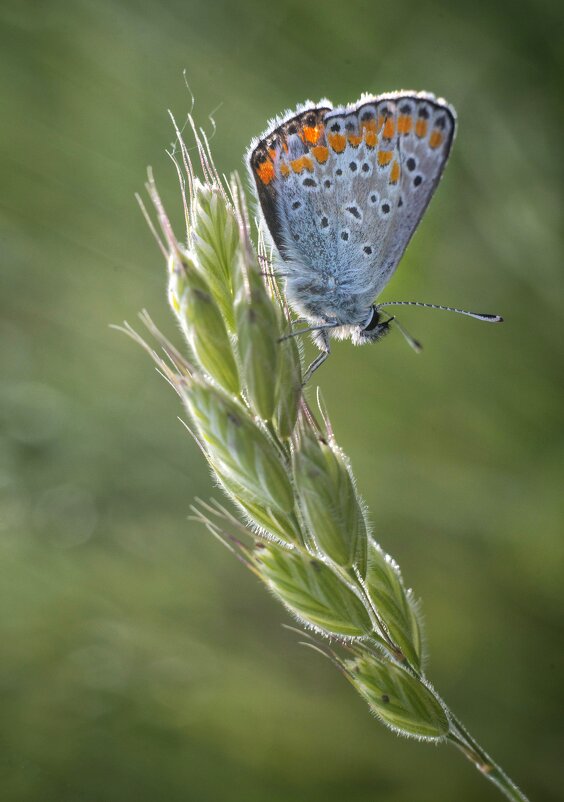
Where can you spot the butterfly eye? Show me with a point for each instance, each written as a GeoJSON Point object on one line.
{"type": "Point", "coordinates": [374, 320]}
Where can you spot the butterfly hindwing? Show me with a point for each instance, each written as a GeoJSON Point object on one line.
{"type": "Point", "coordinates": [286, 141]}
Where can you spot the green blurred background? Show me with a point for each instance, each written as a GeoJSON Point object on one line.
{"type": "Point", "coordinates": [138, 660]}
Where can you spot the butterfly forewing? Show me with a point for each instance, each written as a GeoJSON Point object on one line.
{"type": "Point", "coordinates": [425, 128]}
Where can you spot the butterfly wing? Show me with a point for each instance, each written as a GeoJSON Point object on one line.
{"type": "Point", "coordinates": [342, 190]}
{"type": "Point", "coordinates": [421, 128]}
{"type": "Point", "coordinates": [278, 155]}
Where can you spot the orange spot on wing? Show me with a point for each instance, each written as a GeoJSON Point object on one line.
{"type": "Point", "coordinates": [371, 139]}
{"type": "Point", "coordinates": [301, 164]}
{"type": "Point", "coordinates": [284, 169]}
{"type": "Point", "coordinates": [355, 140]}
{"type": "Point", "coordinates": [321, 153]}
{"type": "Point", "coordinates": [384, 157]}
{"type": "Point", "coordinates": [337, 142]}
{"type": "Point", "coordinates": [395, 173]}
{"type": "Point", "coordinates": [435, 139]}
{"type": "Point", "coordinates": [389, 128]}
{"type": "Point", "coordinates": [369, 125]}
{"type": "Point", "coordinates": [265, 172]}
{"type": "Point", "coordinates": [405, 123]}
{"type": "Point", "coordinates": [421, 128]}
{"type": "Point", "coordinates": [312, 134]}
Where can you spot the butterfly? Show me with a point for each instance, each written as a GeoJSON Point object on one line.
{"type": "Point", "coordinates": [342, 191]}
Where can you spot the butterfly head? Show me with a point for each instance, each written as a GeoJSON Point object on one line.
{"type": "Point", "coordinates": [373, 329]}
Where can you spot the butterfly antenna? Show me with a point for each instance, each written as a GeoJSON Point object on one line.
{"type": "Point", "coordinates": [415, 344]}
{"type": "Point", "coordinates": [476, 315]}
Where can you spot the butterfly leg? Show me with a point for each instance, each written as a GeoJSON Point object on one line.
{"type": "Point", "coordinates": [321, 339]}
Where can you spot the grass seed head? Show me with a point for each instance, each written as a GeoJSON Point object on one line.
{"type": "Point", "coordinates": [241, 451]}
{"type": "Point", "coordinates": [312, 591]}
{"type": "Point", "coordinates": [202, 322]}
{"type": "Point", "coordinates": [288, 391]}
{"type": "Point", "coordinates": [328, 500]}
{"type": "Point", "coordinates": [257, 335]}
{"type": "Point", "coordinates": [215, 239]}
{"type": "Point", "coordinates": [399, 699]}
